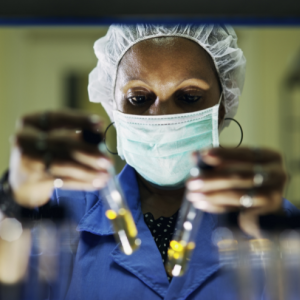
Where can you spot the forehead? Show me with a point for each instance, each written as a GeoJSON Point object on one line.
{"type": "Point", "coordinates": [166, 57]}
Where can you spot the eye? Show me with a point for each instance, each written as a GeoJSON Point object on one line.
{"type": "Point", "coordinates": [137, 99]}
{"type": "Point", "coordinates": [189, 98]}
{"type": "Point", "coordinates": [140, 98]}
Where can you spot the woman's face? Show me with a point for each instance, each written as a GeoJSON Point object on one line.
{"type": "Point", "coordinates": [168, 75]}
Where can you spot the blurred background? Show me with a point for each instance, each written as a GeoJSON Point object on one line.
{"type": "Point", "coordinates": [43, 68]}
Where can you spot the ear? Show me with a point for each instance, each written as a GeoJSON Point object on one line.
{"type": "Point", "coordinates": [221, 113]}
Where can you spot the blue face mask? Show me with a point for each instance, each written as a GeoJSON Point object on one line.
{"type": "Point", "coordinates": [159, 147]}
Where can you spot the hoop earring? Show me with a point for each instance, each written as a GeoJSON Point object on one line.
{"type": "Point", "coordinates": [114, 153]}
{"type": "Point", "coordinates": [241, 129]}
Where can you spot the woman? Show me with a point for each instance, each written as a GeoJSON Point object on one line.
{"type": "Point", "coordinates": [154, 82]}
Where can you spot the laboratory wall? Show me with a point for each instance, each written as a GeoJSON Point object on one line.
{"type": "Point", "coordinates": [36, 62]}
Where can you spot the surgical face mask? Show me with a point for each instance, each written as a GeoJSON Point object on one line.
{"type": "Point", "coordinates": [159, 148]}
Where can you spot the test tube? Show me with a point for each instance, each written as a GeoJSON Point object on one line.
{"type": "Point", "coordinates": [226, 240]}
{"type": "Point", "coordinates": [117, 212]}
{"type": "Point", "coordinates": [282, 262]}
{"type": "Point", "coordinates": [266, 264]}
{"type": "Point", "coordinates": [120, 216]}
{"type": "Point", "coordinates": [183, 242]}
{"type": "Point", "coordinates": [289, 242]}
{"type": "Point", "coordinates": [234, 256]}
{"type": "Point", "coordinates": [252, 264]}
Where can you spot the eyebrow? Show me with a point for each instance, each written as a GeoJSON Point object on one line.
{"type": "Point", "coordinates": [195, 81]}
{"type": "Point", "coordinates": [133, 81]}
{"type": "Point", "coordinates": [189, 81]}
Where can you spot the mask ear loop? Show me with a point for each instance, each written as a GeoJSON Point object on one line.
{"type": "Point", "coordinates": [220, 100]}
{"type": "Point", "coordinates": [114, 153]}
{"type": "Point", "coordinates": [241, 129]}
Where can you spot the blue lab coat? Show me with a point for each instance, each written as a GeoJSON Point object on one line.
{"type": "Point", "coordinates": [93, 267]}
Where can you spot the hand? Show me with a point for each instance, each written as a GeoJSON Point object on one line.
{"type": "Point", "coordinates": [220, 189]}
{"type": "Point", "coordinates": [78, 164]}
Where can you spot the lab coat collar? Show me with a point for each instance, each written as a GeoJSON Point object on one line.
{"type": "Point", "coordinates": [145, 263]}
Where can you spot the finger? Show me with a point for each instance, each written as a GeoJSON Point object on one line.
{"type": "Point", "coordinates": [29, 164]}
{"type": "Point", "coordinates": [37, 193]}
{"type": "Point", "coordinates": [76, 172]}
{"type": "Point", "coordinates": [210, 207]}
{"type": "Point", "coordinates": [92, 161]}
{"type": "Point", "coordinates": [34, 193]}
{"type": "Point", "coordinates": [238, 176]}
{"type": "Point", "coordinates": [218, 184]}
{"type": "Point", "coordinates": [274, 180]}
{"type": "Point", "coordinates": [265, 201]}
{"type": "Point", "coordinates": [61, 119]}
{"type": "Point", "coordinates": [59, 143]}
{"type": "Point", "coordinates": [218, 155]}
{"type": "Point", "coordinates": [240, 169]}
{"type": "Point", "coordinates": [72, 184]}
{"type": "Point", "coordinates": [274, 205]}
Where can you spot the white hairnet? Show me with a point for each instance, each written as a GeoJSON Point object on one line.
{"type": "Point", "coordinates": [219, 41]}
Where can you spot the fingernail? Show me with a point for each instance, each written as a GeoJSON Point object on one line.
{"type": "Point", "coordinates": [212, 151]}
{"type": "Point", "coordinates": [195, 172]}
{"type": "Point", "coordinates": [11, 229]}
{"type": "Point", "coordinates": [209, 156]}
{"type": "Point", "coordinates": [204, 151]}
{"type": "Point", "coordinates": [211, 160]}
{"type": "Point", "coordinates": [194, 185]}
{"type": "Point", "coordinates": [97, 183]}
{"type": "Point", "coordinates": [104, 163]}
{"type": "Point", "coordinates": [94, 119]}
{"type": "Point", "coordinates": [195, 197]}
{"type": "Point", "coordinates": [201, 205]}
{"type": "Point", "coordinates": [58, 183]}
